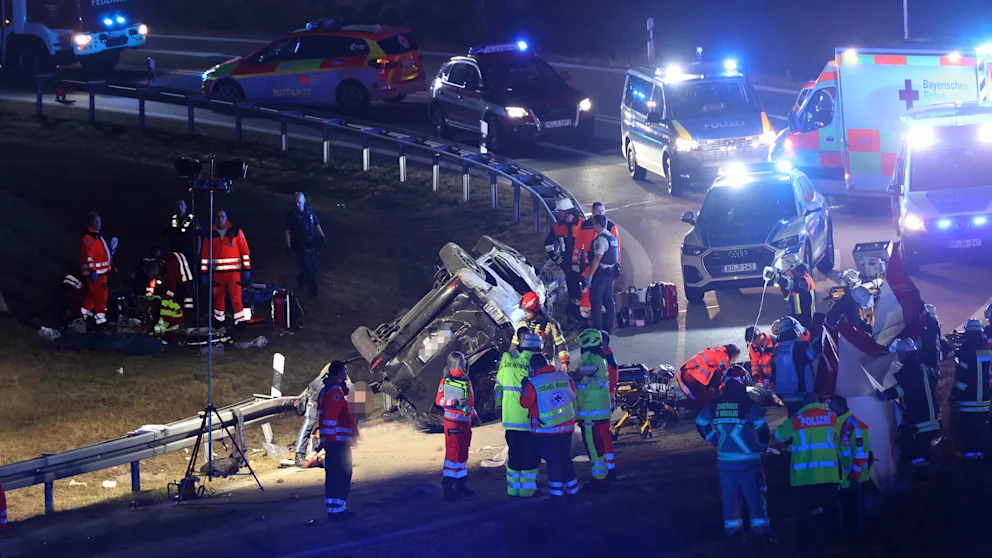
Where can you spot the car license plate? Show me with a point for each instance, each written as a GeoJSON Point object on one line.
{"type": "Point", "coordinates": [737, 268]}
{"type": "Point", "coordinates": [116, 34]}
{"type": "Point", "coordinates": [558, 123]}
{"type": "Point", "coordinates": [970, 243]}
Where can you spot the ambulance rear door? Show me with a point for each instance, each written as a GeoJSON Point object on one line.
{"type": "Point", "coordinates": [877, 87]}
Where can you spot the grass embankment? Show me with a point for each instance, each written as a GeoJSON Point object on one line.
{"type": "Point", "coordinates": [384, 241]}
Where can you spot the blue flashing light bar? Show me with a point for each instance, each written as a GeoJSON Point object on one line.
{"type": "Point", "coordinates": [519, 46]}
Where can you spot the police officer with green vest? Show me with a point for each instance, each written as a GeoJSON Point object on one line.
{"type": "Point", "coordinates": [523, 461]}
{"type": "Point", "coordinates": [733, 424]}
{"type": "Point", "coordinates": [548, 395]}
{"type": "Point", "coordinates": [592, 404]}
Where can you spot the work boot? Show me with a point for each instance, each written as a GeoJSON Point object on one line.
{"type": "Point", "coordinates": [611, 476]}
{"type": "Point", "coordinates": [301, 459]}
{"type": "Point", "coordinates": [464, 490]}
{"type": "Point", "coordinates": [449, 493]}
{"type": "Point", "coordinates": [346, 515]}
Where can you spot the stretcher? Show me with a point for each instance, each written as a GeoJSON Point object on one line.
{"type": "Point", "coordinates": [646, 398]}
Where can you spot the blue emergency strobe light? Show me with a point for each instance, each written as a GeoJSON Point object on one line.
{"type": "Point", "coordinates": [522, 45]}
{"type": "Point", "coordinates": [121, 20]}
{"type": "Point", "coordinates": [107, 21]}
{"type": "Point", "coordinates": [730, 65]}
{"type": "Point", "coordinates": [979, 220]}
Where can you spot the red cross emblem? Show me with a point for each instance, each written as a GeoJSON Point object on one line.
{"type": "Point", "coordinates": [303, 79]}
{"type": "Point", "coordinates": [909, 94]}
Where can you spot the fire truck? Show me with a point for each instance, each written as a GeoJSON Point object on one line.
{"type": "Point", "coordinates": [37, 35]}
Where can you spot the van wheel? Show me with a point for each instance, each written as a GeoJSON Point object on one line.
{"type": "Point", "coordinates": [31, 59]}
{"type": "Point", "coordinates": [693, 294]}
{"type": "Point", "coordinates": [676, 186]}
{"type": "Point", "coordinates": [636, 171]}
{"type": "Point", "coordinates": [364, 341]}
{"type": "Point", "coordinates": [101, 63]}
{"type": "Point", "coordinates": [227, 90]}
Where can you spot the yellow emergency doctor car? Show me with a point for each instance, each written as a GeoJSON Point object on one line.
{"type": "Point", "coordinates": [326, 63]}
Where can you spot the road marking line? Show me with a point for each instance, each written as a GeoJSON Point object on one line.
{"type": "Point", "coordinates": [193, 53]}
{"type": "Point", "coordinates": [573, 150]}
{"type": "Point", "coordinates": [571, 65]}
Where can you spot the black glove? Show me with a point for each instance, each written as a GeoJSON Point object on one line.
{"type": "Point", "coordinates": [289, 252]}
{"type": "Point", "coordinates": [558, 258]}
{"type": "Point", "coordinates": [245, 278]}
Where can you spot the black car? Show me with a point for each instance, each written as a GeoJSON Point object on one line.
{"type": "Point", "coordinates": [517, 94]}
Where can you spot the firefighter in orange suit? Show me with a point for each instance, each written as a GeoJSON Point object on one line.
{"type": "Point", "coordinates": [562, 246]}
{"type": "Point", "coordinates": [338, 432]}
{"type": "Point", "coordinates": [231, 265]}
{"type": "Point", "coordinates": [456, 397]}
{"type": "Point", "coordinates": [582, 255]}
{"type": "Point", "coordinates": [96, 261]}
{"type": "Point", "coordinates": [761, 347]}
{"type": "Point", "coordinates": [700, 377]}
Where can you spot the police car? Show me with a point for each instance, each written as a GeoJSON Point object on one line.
{"type": "Point", "coordinates": [750, 215]}
{"type": "Point", "coordinates": [325, 63]}
{"type": "Point", "coordinates": [516, 93]}
{"type": "Point", "coordinates": [684, 123]}
{"type": "Point", "coordinates": [943, 183]}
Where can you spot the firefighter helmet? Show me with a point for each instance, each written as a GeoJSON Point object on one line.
{"type": "Point", "coordinates": [737, 373]}
{"type": "Point", "coordinates": [787, 262]}
{"type": "Point", "coordinates": [974, 325]}
{"type": "Point", "coordinates": [902, 344]}
{"type": "Point", "coordinates": [531, 301]}
{"type": "Point", "coordinates": [532, 342]}
{"type": "Point", "coordinates": [590, 338]}
{"type": "Point", "coordinates": [785, 324]}
{"type": "Point", "coordinates": [851, 277]}
{"type": "Point", "coordinates": [564, 204]}
{"type": "Point", "coordinates": [988, 312]}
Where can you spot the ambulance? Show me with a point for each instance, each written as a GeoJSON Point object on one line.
{"type": "Point", "coordinates": [847, 134]}
{"type": "Point", "coordinates": [942, 187]}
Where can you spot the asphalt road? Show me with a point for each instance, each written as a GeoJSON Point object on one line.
{"type": "Point", "coordinates": [594, 170]}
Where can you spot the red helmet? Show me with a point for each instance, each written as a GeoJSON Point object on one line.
{"type": "Point", "coordinates": [736, 374]}
{"type": "Point", "coordinates": [531, 301]}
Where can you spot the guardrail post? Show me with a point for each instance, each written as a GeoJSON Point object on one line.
{"type": "Point", "coordinates": [516, 202]}
{"type": "Point", "coordinates": [141, 112]}
{"type": "Point", "coordinates": [326, 136]}
{"type": "Point", "coordinates": [402, 152]}
{"type": "Point", "coordinates": [92, 105]}
{"type": "Point", "coordinates": [40, 99]}
{"type": "Point", "coordinates": [49, 498]}
{"type": "Point", "coordinates": [366, 154]}
{"type": "Point", "coordinates": [466, 181]}
{"type": "Point", "coordinates": [190, 117]}
{"type": "Point", "coordinates": [135, 476]}
{"type": "Point", "coordinates": [284, 133]}
{"type": "Point", "coordinates": [436, 172]}
{"type": "Point", "coordinates": [493, 189]}
{"type": "Point", "coordinates": [537, 214]}
{"type": "Point", "coordinates": [237, 126]}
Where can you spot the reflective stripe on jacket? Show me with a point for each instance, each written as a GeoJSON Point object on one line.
{"type": "Point", "coordinates": [761, 349]}
{"type": "Point", "coordinates": [814, 435]}
{"type": "Point", "coordinates": [337, 425]}
{"type": "Point", "coordinates": [737, 430]}
{"type": "Point", "coordinates": [509, 381]}
{"type": "Point", "coordinates": [549, 395]}
{"type": "Point", "coordinates": [855, 449]}
{"type": "Point", "coordinates": [592, 401]}
{"type": "Point", "coordinates": [971, 380]}
{"type": "Point", "coordinates": [916, 391]}
{"type": "Point", "coordinates": [456, 397]}
{"type": "Point", "coordinates": [94, 254]}
{"type": "Point", "coordinates": [706, 363]}
{"type": "Point", "coordinates": [550, 332]}
{"type": "Point", "coordinates": [230, 253]}
{"type": "Point", "coordinates": [569, 233]}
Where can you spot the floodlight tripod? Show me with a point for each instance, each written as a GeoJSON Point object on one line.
{"type": "Point", "coordinates": [211, 184]}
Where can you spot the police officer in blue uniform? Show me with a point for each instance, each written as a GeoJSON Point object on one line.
{"type": "Point", "coordinates": [302, 230]}
{"type": "Point", "coordinates": [601, 273]}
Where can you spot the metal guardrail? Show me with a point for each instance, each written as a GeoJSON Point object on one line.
{"type": "Point", "coordinates": [543, 190]}
{"type": "Point", "coordinates": [131, 449]}
{"type": "Point", "coordinates": [136, 446]}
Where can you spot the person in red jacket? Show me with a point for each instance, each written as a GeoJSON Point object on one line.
{"type": "Point", "coordinates": [456, 396]}
{"type": "Point", "coordinates": [761, 348]}
{"type": "Point", "coordinates": [614, 371]}
{"type": "Point", "coordinates": [701, 376]}
{"type": "Point", "coordinates": [338, 432]}
{"type": "Point", "coordinates": [549, 396]}
{"type": "Point", "coordinates": [96, 261]}
{"type": "Point", "coordinates": [231, 264]}
{"type": "Point", "coordinates": [178, 280]}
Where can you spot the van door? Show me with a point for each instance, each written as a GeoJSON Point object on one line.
{"type": "Point", "coordinates": [636, 106]}
{"type": "Point", "coordinates": [815, 145]}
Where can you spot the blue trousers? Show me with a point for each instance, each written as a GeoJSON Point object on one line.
{"type": "Point", "coordinates": [749, 486]}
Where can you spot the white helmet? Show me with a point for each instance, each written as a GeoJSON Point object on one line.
{"type": "Point", "coordinates": [902, 345]}
{"type": "Point", "coordinates": [862, 296]}
{"type": "Point", "coordinates": [851, 277]}
{"type": "Point", "coordinates": [988, 312]}
{"type": "Point", "coordinates": [931, 310]}
{"type": "Point", "coordinates": [973, 325]}
{"type": "Point", "coordinates": [788, 323]}
{"type": "Point", "coordinates": [786, 262]}
{"type": "Point", "coordinates": [564, 204]}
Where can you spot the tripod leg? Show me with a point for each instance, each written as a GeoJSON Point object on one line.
{"type": "Point", "coordinates": [241, 451]}
{"type": "Point", "coordinates": [191, 468]}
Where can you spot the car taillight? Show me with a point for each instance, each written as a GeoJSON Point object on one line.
{"type": "Point", "coordinates": [376, 362]}
{"type": "Point", "coordinates": [382, 64]}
